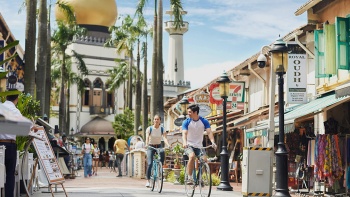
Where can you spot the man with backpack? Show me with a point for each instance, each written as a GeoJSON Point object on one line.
{"type": "Point", "coordinates": [154, 136]}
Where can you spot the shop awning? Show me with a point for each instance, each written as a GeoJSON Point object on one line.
{"type": "Point", "coordinates": [303, 111]}
{"type": "Point", "coordinates": [314, 107]}
{"type": "Point", "coordinates": [246, 119]}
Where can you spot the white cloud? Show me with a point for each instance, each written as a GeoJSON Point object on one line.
{"type": "Point", "coordinates": [204, 74]}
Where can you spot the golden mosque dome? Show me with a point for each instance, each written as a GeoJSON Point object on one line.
{"type": "Point", "coordinates": [91, 12]}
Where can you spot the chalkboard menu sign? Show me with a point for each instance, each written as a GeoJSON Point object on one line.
{"type": "Point", "coordinates": [47, 157]}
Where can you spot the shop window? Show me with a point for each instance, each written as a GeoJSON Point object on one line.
{"type": "Point", "coordinates": [342, 50]}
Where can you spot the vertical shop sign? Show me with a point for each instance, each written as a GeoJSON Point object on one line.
{"type": "Point", "coordinates": [296, 79]}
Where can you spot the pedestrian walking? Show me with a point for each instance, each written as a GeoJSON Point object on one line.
{"type": "Point", "coordinates": [87, 157]}
{"type": "Point", "coordinates": [95, 159]}
{"type": "Point", "coordinates": [119, 148]}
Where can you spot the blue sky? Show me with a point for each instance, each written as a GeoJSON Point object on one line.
{"type": "Point", "coordinates": [222, 33]}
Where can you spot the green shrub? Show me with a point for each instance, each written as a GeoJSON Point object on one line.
{"type": "Point", "coordinates": [171, 177]}
{"type": "Point", "coordinates": [215, 179]}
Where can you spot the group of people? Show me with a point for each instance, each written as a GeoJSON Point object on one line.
{"type": "Point", "coordinates": [91, 156]}
{"type": "Point", "coordinates": [193, 129]}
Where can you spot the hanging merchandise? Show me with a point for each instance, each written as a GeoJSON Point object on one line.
{"type": "Point", "coordinates": [328, 163]}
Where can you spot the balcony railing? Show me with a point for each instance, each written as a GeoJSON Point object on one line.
{"type": "Point", "coordinates": [101, 110]}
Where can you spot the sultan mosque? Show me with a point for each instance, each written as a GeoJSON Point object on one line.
{"type": "Point", "coordinates": [92, 113]}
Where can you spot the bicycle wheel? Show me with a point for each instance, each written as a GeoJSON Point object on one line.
{"type": "Point", "coordinates": [153, 176]}
{"type": "Point", "coordinates": [159, 178]}
{"type": "Point", "coordinates": [205, 181]}
{"type": "Point", "coordinates": [188, 188]}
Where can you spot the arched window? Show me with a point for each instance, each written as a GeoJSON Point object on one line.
{"type": "Point", "coordinates": [87, 92]}
{"type": "Point", "coordinates": [97, 92]}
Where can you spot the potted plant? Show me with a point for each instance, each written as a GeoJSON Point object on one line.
{"type": "Point", "coordinates": [166, 163]}
{"type": "Point", "coordinates": [177, 150]}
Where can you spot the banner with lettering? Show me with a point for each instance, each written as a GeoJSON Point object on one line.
{"type": "Point", "coordinates": [297, 79]}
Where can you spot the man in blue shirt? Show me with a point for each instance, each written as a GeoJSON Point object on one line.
{"type": "Point", "coordinates": [192, 135]}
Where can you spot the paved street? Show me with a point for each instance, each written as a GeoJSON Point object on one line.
{"type": "Point", "coordinates": [107, 184]}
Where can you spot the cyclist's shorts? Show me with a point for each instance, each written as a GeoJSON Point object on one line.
{"type": "Point", "coordinates": [196, 151]}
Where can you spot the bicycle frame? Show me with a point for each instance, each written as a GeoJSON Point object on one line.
{"type": "Point", "coordinates": [157, 170]}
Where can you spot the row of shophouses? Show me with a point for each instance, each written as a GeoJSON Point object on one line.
{"type": "Point", "coordinates": [316, 91]}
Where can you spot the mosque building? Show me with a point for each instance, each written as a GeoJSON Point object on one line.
{"type": "Point", "coordinates": [92, 113]}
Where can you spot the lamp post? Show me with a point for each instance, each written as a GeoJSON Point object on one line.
{"type": "Point", "coordinates": [184, 104]}
{"type": "Point", "coordinates": [279, 53]}
{"type": "Point", "coordinates": [224, 88]}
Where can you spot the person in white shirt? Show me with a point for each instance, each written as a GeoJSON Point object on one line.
{"type": "Point", "coordinates": [9, 141]}
{"type": "Point", "coordinates": [87, 158]}
{"type": "Point", "coordinates": [192, 136]}
{"type": "Point", "coordinates": [154, 135]}
{"type": "Point", "coordinates": [139, 144]}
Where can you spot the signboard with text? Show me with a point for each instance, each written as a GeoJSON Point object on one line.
{"type": "Point", "coordinates": [235, 97]}
{"type": "Point", "coordinates": [297, 79]}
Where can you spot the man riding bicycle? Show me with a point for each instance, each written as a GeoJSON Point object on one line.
{"type": "Point", "coordinates": [192, 135]}
{"type": "Point", "coordinates": [154, 136]}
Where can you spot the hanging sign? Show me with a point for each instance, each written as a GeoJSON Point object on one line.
{"type": "Point", "coordinates": [202, 99]}
{"type": "Point", "coordinates": [215, 94]}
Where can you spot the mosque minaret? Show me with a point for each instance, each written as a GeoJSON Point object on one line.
{"type": "Point", "coordinates": [175, 53]}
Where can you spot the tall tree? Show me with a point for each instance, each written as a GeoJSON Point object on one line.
{"type": "Point", "coordinates": [118, 76]}
{"type": "Point", "coordinates": [72, 78]}
{"type": "Point", "coordinates": [141, 31]}
{"type": "Point", "coordinates": [144, 90]}
{"type": "Point", "coordinates": [30, 42]}
{"type": "Point", "coordinates": [42, 56]}
{"type": "Point", "coordinates": [48, 66]}
{"type": "Point", "coordinates": [61, 39]}
{"type": "Point", "coordinates": [124, 38]}
{"type": "Point", "coordinates": [160, 65]}
{"type": "Point", "coordinates": [157, 59]}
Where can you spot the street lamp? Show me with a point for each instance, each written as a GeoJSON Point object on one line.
{"type": "Point", "coordinates": [279, 53]}
{"type": "Point", "coordinates": [224, 88]}
{"type": "Point", "coordinates": [184, 104]}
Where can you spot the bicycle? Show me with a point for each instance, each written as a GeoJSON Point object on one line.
{"type": "Point", "coordinates": [202, 177]}
{"type": "Point", "coordinates": [156, 179]}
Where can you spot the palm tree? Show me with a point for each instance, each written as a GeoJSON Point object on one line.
{"type": "Point", "coordinates": [61, 39]}
{"type": "Point", "coordinates": [48, 66]}
{"type": "Point", "coordinates": [160, 66]}
{"type": "Point", "coordinates": [157, 59]}
{"type": "Point", "coordinates": [145, 91]}
{"type": "Point", "coordinates": [124, 39]}
{"type": "Point", "coordinates": [30, 42]}
{"type": "Point", "coordinates": [118, 76]}
{"type": "Point", "coordinates": [72, 78]}
{"type": "Point", "coordinates": [42, 56]}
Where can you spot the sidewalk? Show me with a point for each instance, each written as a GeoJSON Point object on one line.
{"type": "Point", "coordinates": [107, 184]}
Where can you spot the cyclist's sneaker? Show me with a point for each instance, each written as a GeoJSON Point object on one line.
{"type": "Point", "coordinates": [190, 180]}
{"type": "Point", "coordinates": [147, 184]}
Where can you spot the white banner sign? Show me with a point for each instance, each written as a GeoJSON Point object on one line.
{"type": "Point", "coordinates": [296, 79]}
